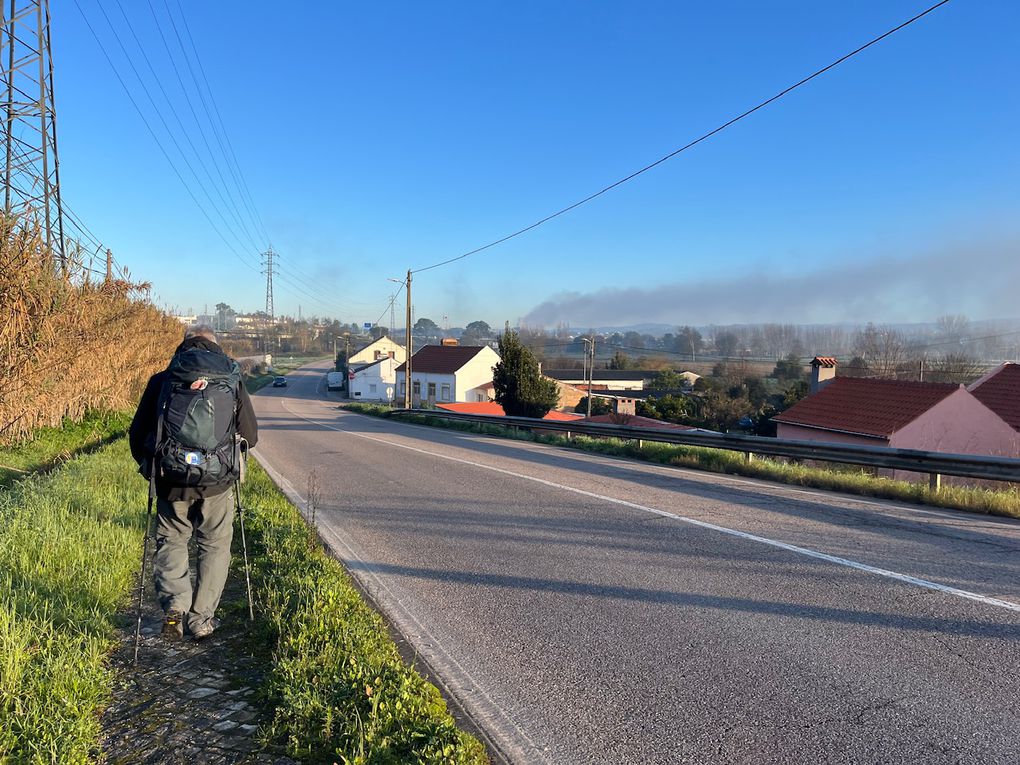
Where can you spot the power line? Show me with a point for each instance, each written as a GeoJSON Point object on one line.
{"type": "Point", "coordinates": [230, 205]}
{"type": "Point", "coordinates": [170, 133]}
{"type": "Point", "coordinates": [212, 99]}
{"type": "Point", "coordinates": [687, 146]}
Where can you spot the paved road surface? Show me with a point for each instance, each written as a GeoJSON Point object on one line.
{"type": "Point", "coordinates": [591, 610]}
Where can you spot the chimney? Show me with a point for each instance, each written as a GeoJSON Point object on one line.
{"type": "Point", "coordinates": [624, 406]}
{"type": "Point", "coordinates": [449, 341]}
{"type": "Point", "coordinates": [823, 371]}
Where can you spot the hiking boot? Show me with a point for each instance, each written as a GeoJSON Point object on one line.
{"type": "Point", "coordinates": [173, 626]}
{"type": "Point", "coordinates": [205, 629]}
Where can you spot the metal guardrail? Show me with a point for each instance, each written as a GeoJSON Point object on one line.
{"type": "Point", "coordinates": [935, 464]}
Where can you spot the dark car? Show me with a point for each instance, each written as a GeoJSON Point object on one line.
{"type": "Point", "coordinates": [279, 382]}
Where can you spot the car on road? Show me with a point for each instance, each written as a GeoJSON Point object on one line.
{"type": "Point", "coordinates": [279, 382]}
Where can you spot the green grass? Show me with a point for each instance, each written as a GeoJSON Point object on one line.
{"type": "Point", "coordinates": [69, 550]}
{"type": "Point", "coordinates": [843, 478]}
{"type": "Point", "coordinates": [51, 446]}
{"type": "Point", "coordinates": [281, 366]}
{"type": "Point", "coordinates": [341, 690]}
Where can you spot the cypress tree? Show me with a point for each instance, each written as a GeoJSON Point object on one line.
{"type": "Point", "coordinates": [520, 388]}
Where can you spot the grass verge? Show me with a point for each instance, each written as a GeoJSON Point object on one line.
{"type": "Point", "coordinates": [51, 446]}
{"type": "Point", "coordinates": [341, 690]}
{"type": "Point", "coordinates": [69, 549]}
{"type": "Point", "coordinates": [843, 478]}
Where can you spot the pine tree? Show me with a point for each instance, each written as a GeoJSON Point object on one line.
{"type": "Point", "coordinates": [520, 388]}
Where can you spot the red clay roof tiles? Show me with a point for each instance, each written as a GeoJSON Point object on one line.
{"type": "Point", "coordinates": [441, 359]}
{"type": "Point", "coordinates": [493, 409]}
{"type": "Point", "coordinates": [1000, 392]}
{"type": "Point", "coordinates": [636, 421]}
{"type": "Point", "coordinates": [865, 406]}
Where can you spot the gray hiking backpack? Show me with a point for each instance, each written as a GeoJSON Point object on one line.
{"type": "Point", "coordinates": [196, 442]}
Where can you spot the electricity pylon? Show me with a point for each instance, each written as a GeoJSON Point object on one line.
{"type": "Point", "coordinates": [31, 171]}
{"type": "Point", "coordinates": [267, 260]}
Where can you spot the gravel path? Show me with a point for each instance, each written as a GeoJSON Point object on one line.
{"type": "Point", "coordinates": [191, 701]}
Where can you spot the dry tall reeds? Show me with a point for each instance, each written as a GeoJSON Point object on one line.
{"type": "Point", "coordinates": [68, 344]}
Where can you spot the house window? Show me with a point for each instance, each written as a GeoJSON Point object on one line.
{"type": "Point", "coordinates": [403, 387]}
{"type": "Point", "coordinates": [416, 387]}
{"type": "Point", "coordinates": [480, 396]}
{"type": "Point", "coordinates": [371, 388]}
{"type": "Point", "coordinates": [446, 392]}
{"type": "Point", "coordinates": [432, 390]}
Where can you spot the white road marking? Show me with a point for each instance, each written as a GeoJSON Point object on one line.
{"type": "Point", "coordinates": [905, 578]}
{"type": "Point", "coordinates": [504, 732]}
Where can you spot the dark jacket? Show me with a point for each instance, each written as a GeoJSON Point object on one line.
{"type": "Point", "coordinates": [142, 434]}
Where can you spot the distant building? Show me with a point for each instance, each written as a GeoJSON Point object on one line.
{"type": "Point", "coordinates": [384, 347]}
{"type": "Point", "coordinates": [374, 381]}
{"type": "Point", "coordinates": [602, 379]}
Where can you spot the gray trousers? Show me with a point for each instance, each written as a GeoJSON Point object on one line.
{"type": "Point", "coordinates": [212, 521]}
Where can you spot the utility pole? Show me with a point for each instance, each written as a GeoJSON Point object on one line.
{"type": "Point", "coordinates": [591, 370]}
{"type": "Point", "coordinates": [409, 346]}
{"type": "Point", "coordinates": [31, 171]}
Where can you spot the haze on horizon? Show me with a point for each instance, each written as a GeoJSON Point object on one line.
{"type": "Point", "coordinates": [978, 279]}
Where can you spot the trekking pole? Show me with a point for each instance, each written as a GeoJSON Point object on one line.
{"type": "Point", "coordinates": [244, 548]}
{"type": "Point", "coordinates": [145, 554]}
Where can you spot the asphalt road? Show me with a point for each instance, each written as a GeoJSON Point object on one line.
{"type": "Point", "coordinates": [584, 609]}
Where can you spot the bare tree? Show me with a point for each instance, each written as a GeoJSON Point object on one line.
{"type": "Point", "coordinates": [955, 368]}
{"type": "Point", "coordinates": [882, 349]}
{"type": "Point", "coordinates": [952, 327]}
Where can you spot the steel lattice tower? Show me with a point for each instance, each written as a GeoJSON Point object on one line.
{"type": "Point", "coordinates": [267, 260]}
{"type": "Point", "coordinates": [31, 169]}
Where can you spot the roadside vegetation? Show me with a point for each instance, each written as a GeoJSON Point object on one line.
{"type": "Point", "coordinates": [341, 691]}
{"type": "Point", "coordinates": [842, 478]}
{"type": "Point", "coordinates": [52, 446]}
{"type": "Point", "coordinates": [69, 547]}
{"type": "Point", "coordinates": [70, 539]}
{"type": "Point", "coordinates": [68, 344]}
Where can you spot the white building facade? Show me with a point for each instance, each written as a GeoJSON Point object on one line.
{"type": "Point", "coordinates": [375, 381]}
{"type": "Point", "coordinates": [381, 348]}
{"type": "Point", "coordinates": [448, 374]}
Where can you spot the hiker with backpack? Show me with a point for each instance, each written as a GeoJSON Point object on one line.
{"type": "Point", "coordinates": [193, 423]}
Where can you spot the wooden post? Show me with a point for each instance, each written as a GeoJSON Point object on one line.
{"type": "Point", "coordinates": [935, 482]}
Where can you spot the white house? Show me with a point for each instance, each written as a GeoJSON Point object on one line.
{"type": "Point", "coordinates": [375, 381]}
{"type": "Point", "coordinates": [449, 373]}
{"type": "Point", "coordinates": [382, 348]}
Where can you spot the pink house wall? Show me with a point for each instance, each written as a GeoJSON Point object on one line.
{"type": "Point", "coordinates": [800, 433]}
{"type": "Point", "coordinates": [959, 424]}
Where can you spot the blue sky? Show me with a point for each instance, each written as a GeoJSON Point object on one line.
{"type": "Point", "coordinates": [378, 137]}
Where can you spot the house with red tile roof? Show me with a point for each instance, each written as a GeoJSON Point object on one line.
{"type": "Point", "coordinates": [492, 409]}
{"type": "Point", "coordinates": [449, 373]}
{"type": "Point", "coordinates": [902, 414]}
{"type": "Point", "coordinates": [637, 421]}
{"type": "Point", "coordinates": [999, 390]}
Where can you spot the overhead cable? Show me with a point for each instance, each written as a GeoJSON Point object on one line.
{"type": "Point", "coordinates": [687, 146]}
